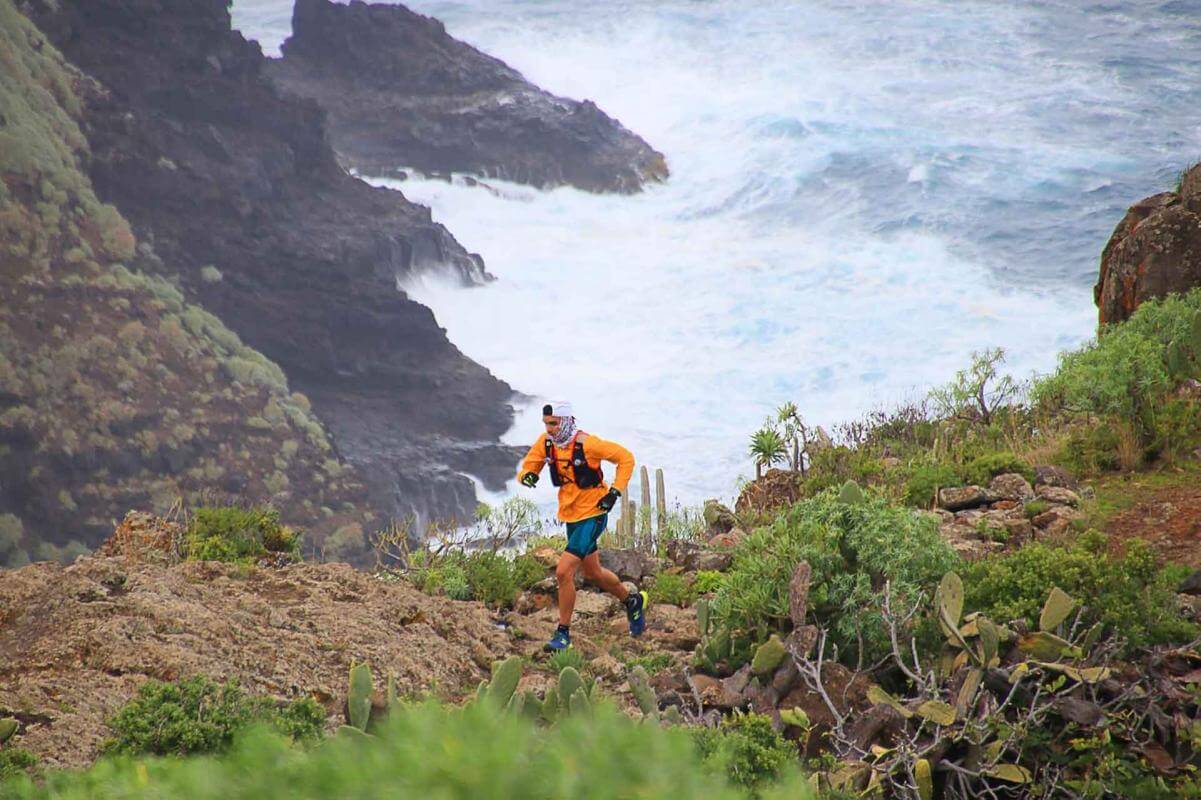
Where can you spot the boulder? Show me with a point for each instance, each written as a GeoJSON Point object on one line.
{"type": "Point", "coordinates": [778, 488]}
{"type": "Point", "coordinates": [1011, 486]}
{"type": "Point", "coordinates": [957, 498]}
{"type": "Point", "coordinates": [1058, 495]}
{"type": "Point", "coordinates": [726, 541]}
{"type": "Point", "coordinates": [546, 556]}
{"type": "Point", "coordinates": [693, 556]}
{"type": "Point", "coordinates": [399, 90]}
{"type": "Point", "coordinates": [1054, 476]}
{"type": "Point", "coordinates": [718, 518]}
{"type": "Point", "coordinates": [630, 564]}
{"type": "Point", "coordinates": [1153, 251]}
{"type": "Point", "coordinates": [594, 604]}
{"type": "Point", "coordinates": [1191, 584]}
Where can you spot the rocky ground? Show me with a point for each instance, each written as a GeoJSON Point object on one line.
{"type": "Point", "coordinates": [402, 93]}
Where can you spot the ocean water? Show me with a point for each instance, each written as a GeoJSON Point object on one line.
{"type": "Point", "coordinates": [862, 194]}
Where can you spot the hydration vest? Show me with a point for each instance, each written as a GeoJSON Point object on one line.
{"type": "Point", "coordinates": [585, 476]}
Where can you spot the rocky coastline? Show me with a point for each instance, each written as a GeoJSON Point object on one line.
{"type": "Point", "coordinates": [402, 93]}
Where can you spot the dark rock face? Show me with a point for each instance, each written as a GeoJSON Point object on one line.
{"type": "Point", "coordinates": [215, 168]}
{"type": "Point", "coordinates": [1154, 251]}
{"type": "Point", "coordinates": [400, 92]}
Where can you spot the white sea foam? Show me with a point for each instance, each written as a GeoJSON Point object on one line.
{"type": "Point", "coordinates": [861, 195]}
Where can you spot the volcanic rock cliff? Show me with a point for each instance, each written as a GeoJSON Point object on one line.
{"type": "Point", "coordinates": [238, 200]}
{"type": "Point", "coordinates": [401, 92]}
{"type": "Point", "coordinates": [1154, 251]}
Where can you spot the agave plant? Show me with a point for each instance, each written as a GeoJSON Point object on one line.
{"type": "Point", "coordinates": [767, 448]}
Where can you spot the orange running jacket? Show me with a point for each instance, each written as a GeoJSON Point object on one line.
{"type": "Point", "coordinates": [575, 503]}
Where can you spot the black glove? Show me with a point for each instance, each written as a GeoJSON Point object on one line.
{"type": "Point", "coordinates": [530, 479]}
{"type": "Point", "coordinates": [607, 502]}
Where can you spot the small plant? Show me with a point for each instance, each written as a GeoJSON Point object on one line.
{"type": "Point", "coordinates": [978, 391]}
{"type": "Point", "coordinates": [925, 480]}
{"type": "Point", "coordinates": [232, 533]}
{"type": "Point", "coordinates": [672, 588]}
{"type": "Point", "coordinates": [1035, 507]}
{"type": "Point", "coordinates": [982, 469]}
{"type": "Point", "coordinates": [653, 663]}
{"type": "Point", "coordinates": [197, 715]}
{"type": "Point", "coordinates": [767, 448]}
{"type": "Point", "coordinates": [746, 748]}
{"type": "Point", "coordinates": [16, 761]}
{"type": "Point", "coordinates": [707, 581]}
{"type": "Point", "coordinates": [571, 657]}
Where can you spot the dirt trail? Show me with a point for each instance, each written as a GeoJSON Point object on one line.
{"type": "Point", "coordinates": [1167, 518]}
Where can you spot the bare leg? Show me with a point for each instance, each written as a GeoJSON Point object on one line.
{"type": "Point", "coordinates": [595, 573]}
{"type": "Point", "coordinates": [565, 575]}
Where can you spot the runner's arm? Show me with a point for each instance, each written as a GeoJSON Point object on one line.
{"type": "Point", "coordinates": [534, 459]}
{"type": "Point", "coordinates": [614, 454]}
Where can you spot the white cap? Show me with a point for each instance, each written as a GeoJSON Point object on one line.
{"type": "Point", "coordinates": [560, 408]}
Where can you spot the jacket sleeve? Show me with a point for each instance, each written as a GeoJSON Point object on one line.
{"type": "Point", "coordinates": [615, 454]}
{"type": "Point", "coordinates": [535, 459]}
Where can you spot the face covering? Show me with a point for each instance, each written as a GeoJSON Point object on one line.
{"type": "Point", "coordinates": [562, 436]}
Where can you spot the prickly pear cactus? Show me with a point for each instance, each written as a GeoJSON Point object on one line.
{"type": "Point", "coordinates": [851, 494]}
{"type": "Point", "coordinates": [358, 699]}
{"type": "Point", "coordinates": [569, 682]}
{"type": "Point", "coordinates": [768, 656]}
{"type": "Point", "coordinates": [8, 727]}
{"type": "Point", "coordinates": [505, 676]}
{"type": "Point", "coordinates": [644, 695]}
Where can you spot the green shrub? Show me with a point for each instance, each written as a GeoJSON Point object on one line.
{"type": "Point", "coordinates": [1036, 507]}
{"type": "Point", "coordinates": [835, 466]}
{"type": "Point", "coordinates": [428, 750]}
{"type": "Point", "coordinates": [1125, 372]}
{"type": "Point", "coordinates": [672, 588]}
{"type": "Point", "coordinates": [707, 581]}
{"type": "Point", "coordinates": [1176, 430]}
{"type": "Point", "coordinates": [652, 663]}
{"type": "Point", "coordinates": [197, 715]}
{"type": "Point", "coordinates": [746, 748]}
{"type": "Point", "coordinates": [1091, 450]}
{"type": "Point", "coordinates": [924, 480]}
{"type": "Point", "coordinates": [1131, 596]}
{"type": "Point", "coordinates": [562, 659]}
{"type": "Point", "coordinates": [982, 469]}
{"type": "Point", "coordinates": [852, 550]}
{"type": "Point", "coordinates": [15, 761]}
{"type": "Point", "coordinates": [233, 534]}
{"type": "Point", "coordinates": [491, 578]}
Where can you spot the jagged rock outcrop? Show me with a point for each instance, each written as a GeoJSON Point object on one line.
{"type": "Point", "coordinates": [248, 211]}
{"type": "Point", "coordinates": [1154, 251]}
{"type": "Point", "coordinates": [401, 92]}
{"type": "Point", "coordinates": [114, 389]}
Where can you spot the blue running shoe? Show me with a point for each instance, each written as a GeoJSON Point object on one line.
{"type": "Point", "coordinates": [560, 641]}
{"type": "Point", "coordinates": [636, 605]}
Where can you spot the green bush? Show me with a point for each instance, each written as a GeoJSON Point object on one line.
{"type": "Point", "coordinates": [1125, 372]}
{"type": "Point", "coordinates": [1036, 507]}
{"type": "Point", "coordinates": [233, 534]}
{"type": "Point", "coordinates": [15, 761]}
{"type": "Point", "coordinates": [198, 715]}
{"type": "Point", "coordinates": [491, 578]}
{"type": "Point", "coordinates": [1131, 596]}
{"type": "Point", "coordinates": [835, 466]}
{"type": "Point", "coordinates": [562, 659]}
{"type": "Point", "coordinates": [707, 581]}
{"type": "Point", "coordinates": [1091, 450]}
{"type": "Point", "coordinates": [746, 748]}
{"type": "Point", "coordinates": [852, 550]}
{"type": "Point", "coordinates": [428, 750]}
{"type": "Point", "coordinates": [672, 588]}
{"type": "Point", "coordinates": [925, 479]}
{"type": "Point", "coordinates": [652, 663]}
{"type": "Point", "coordinates": [982, 469]}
